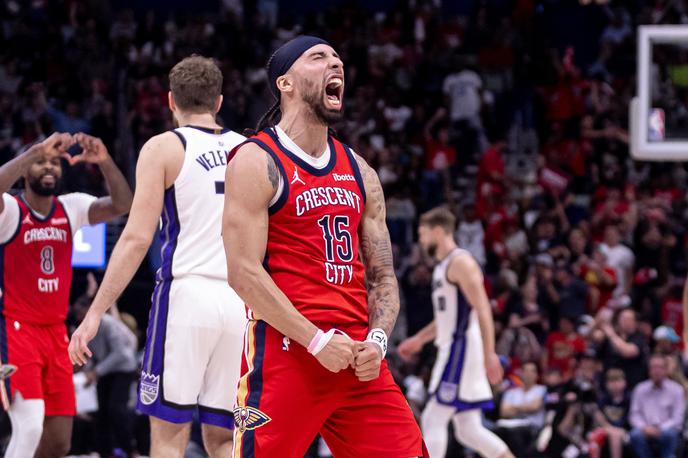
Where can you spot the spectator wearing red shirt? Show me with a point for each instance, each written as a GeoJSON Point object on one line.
{"type": "Point", "coordinates": [601, 279]}
{"type": "Point", "coordinates": [439, 159]}
{"type": "Point", "coordinates": [566, 100]}
{"type": "Point", "coordinates": [439, 154]}
{"type": "Point", "coordinates": [490, 178]}
{"type": "Point", "coordinates": [666, 191]}
{"type": "Point", "coordinates": [612, 208]}
{"type": "Point", "coordinates": [562, 347]}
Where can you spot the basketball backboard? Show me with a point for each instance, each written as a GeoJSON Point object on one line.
{"type": "Point", "coordinates": [658, 121]}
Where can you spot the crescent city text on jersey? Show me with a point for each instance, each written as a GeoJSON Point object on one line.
{"type": "Point", "coordinates": [326, 195]}
{"type": "Point", "coordinates": [45, 233]}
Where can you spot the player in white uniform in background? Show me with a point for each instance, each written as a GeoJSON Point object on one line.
{"type": "Point", "coordinates": [463, 331]}
{"type": "Point", "coordinates": [195, 333]}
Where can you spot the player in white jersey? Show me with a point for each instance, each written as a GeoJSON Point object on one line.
{"type": "Point", "coordinates": [463, 332]}
{"type": "Point", "coordinates": [196, 326]}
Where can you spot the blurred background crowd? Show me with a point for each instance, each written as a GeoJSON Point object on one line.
{"type": "Point", "coordinates": [513, 113]}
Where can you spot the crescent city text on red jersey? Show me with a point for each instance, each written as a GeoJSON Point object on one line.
{"type": "Point", "coordinates": [36, 285]}
{"type": "Point", "coordinates": [312, 250]}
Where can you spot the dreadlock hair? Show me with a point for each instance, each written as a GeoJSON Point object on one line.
{"type": "Point", "coordinates": [269, 119]}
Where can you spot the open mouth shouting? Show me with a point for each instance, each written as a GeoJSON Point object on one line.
{"type": "Point", "coordinates": [334, 92]}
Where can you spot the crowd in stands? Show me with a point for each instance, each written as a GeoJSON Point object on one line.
{"type": "Point", "coordinates": [512, 113]}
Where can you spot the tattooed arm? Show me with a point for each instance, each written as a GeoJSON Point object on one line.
{"type": "Point", "coordinates": [383, 290]}
{"type": "Point", "coordinates": [251, 181]}
{"type": "Point", "coordinates": [376, 248]}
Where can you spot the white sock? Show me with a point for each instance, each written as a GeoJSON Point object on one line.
{"type": "Point", "coordinates": [470, 432]}
{"type": "Point", "coordinates": [26, 416]}
{"type": "Point", "coordinates": [435, 423]}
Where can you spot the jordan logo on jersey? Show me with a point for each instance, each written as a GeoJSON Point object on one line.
{"type": "Point", "coordinates": [296, 179]}
{"type": "Point", "coordinates": [27, 219]}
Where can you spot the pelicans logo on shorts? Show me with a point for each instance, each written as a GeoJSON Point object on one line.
{"type": "Point", "coordinates": [249, 418]}
{"type": "Point", "coordinates": [149, 388]}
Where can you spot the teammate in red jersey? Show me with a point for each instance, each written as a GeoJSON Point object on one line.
{"type": "Point", "coordinates": [36, 230]}
{"type": "Point", "coordinates": [304, 223]}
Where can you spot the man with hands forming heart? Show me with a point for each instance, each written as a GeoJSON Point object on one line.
{"type": "Point", "coordinates": [36, 236]}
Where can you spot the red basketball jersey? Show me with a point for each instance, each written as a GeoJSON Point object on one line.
{"type": "Point", "coordinates": [36, 267]}
{"type": "Point", "coordinates": [312, 250]}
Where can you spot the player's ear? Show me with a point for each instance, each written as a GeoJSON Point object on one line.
{"type": "Point", "coordinates": [285, 83]}
{"type": "Point", "coordinates": [170, 101]}
{"type": "Point", "coordinates": [218, 103]}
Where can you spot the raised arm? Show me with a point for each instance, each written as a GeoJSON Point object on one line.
{"type": "Point", "coordinates": [56, 145]}
{"type": "Point", "coordinates": [251, 181]}
{"type": "Point", "coordinates": [624, 348]}
{"type": "Point", "coordinates": [465, 272]}
{"type": "Point", "coordinates": [158, 156]}
{"type": "Point", "coordinates": [120, 198]}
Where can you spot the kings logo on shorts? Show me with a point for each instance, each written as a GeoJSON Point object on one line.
{"type": "Point", "coordinates": [447, 391]}
{"type": "Point", "coordinates": [249, 418]}
{"type": "Point", "coordinates": [149, 388]}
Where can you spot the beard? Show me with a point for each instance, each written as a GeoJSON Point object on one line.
{"type": "Point", "coordinates": [45, 191]}
{"type": "Point", "coordinates": [314, 100]}
{"type": "Point", "coordinates": [431, 250]}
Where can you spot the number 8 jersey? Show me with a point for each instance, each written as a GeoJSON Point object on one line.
{"type": "Point", "coordinates": [312, 250]}
{"type": "Point", "coordinates": [36, 259]}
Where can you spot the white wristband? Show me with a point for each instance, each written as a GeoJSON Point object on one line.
{"type": "Point", "coordinates": [379, 337]}
{"type": "Point", "coordinates": [324, 340]}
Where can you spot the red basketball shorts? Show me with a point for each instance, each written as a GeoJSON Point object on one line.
{"type": "Point", "coordinates": [285, 397]}
{"type": "Point", "coordinates": [43, 367]}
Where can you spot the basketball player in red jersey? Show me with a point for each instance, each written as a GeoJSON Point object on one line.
{"type": "Point", "coordinates": [36, 233]}
{"type": "Point", "coordinates": [304, 224]}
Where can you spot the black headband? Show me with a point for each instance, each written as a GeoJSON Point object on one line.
{"type": "Point", "coordinates": [285, 56]}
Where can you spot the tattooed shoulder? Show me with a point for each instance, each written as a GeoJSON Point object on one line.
{"type": "Point", "coordinates": [373, 187]}
{"type": "Point", "coordinates": [273, 173]}
{"type": "Point", "coordinates": [365, 169]}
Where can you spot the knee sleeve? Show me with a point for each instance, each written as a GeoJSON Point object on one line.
{"type": "Point", "coordinates": [435, 424]}
{"type": "Point", "coordinates": [470, 432]}
{"type": "Point", "coordinates": [26, 417]}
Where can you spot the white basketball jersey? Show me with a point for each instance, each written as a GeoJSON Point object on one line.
{"type": "Point", "coordinates": [459, 372]}
{"type": "Point", "coordinates": [452, 310]}
{"type": "Point", "coordinates": [191, 222]}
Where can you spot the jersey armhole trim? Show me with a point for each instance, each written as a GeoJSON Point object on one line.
{"type": "Point", "coordinates": [69, 221]}
{"type": "Point", "coordinates": [181, 170]}
{"type": "Point", "coordinates": [274, 208]}
{"type": "Point", "coordinates": [453, 255]}
{"type": "Point", "coordinates": [16, 230]}
{"type": "Point", "coordinates": [181, 137]}
{"type": "Point", "coordinates": [356, 169]}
